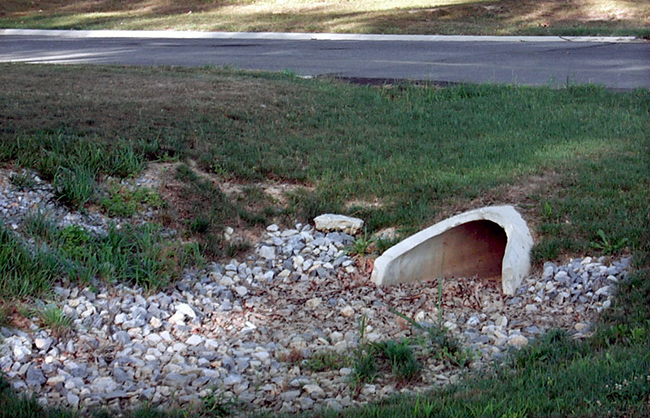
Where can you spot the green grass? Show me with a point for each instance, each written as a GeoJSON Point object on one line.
{"type": "Point", "coordinates": [24, 273]}
{"type": "Point", "coordinates": [22, 182]}
{"type": "Point", "coordinates": [122, 201]}
{"type": "Point", "coordinates": [400, 361]}
{"type": "Point", "coordinates": [574, 157]}
{"type": "Point", "coordinates": [54, 318]}
{"type": "Point", "coordinates": [138, 255]}
{"type": "Point", "coordinates": [74, 187]}
{"type": "Point", "coordinates": [574, 160]}
{"type": "Point", "coordinates": [554, 377]}
{"type": "Point", "coordinates": [326, 360]}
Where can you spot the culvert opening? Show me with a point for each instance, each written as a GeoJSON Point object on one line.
{"type": "Point", "coordinates": [472, 249]}
{"type": "Point", "coordinates": [491, 242]}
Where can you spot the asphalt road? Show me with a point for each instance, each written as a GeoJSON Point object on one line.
{"type": "Point", "coordinates": [619, 64]}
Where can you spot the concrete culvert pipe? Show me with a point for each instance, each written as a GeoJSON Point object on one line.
{"type": "Point", "coordinates": [488, 243]}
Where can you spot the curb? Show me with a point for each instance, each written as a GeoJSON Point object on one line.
{"type": "Point", "coordinates": [149, 34]}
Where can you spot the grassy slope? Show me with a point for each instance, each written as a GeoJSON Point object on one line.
{"type": "Point", "coordinates": [492, 17]}
{"type": "Point", "coordinates": [575, 161]}
{"type": "Point", "coordinates": [399, 156]}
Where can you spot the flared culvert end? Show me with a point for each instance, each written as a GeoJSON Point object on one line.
{"type": "Point", "coordinates": [490, 243]}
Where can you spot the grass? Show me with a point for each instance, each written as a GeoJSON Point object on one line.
{"type": "Point", "coordinates": [574, 160]}
{"type": "Point", "coordinates": [23, 181]}
{"type": "Point", "coordinates": [137, 255]}
{"type": "Point", "coordinates": [556, 376]}
{"type": "Point", "coordinates": [208, 210]}
{"type": "Point", "coordinates": [74, 187]}
{"type": "Point", "coordinates": [400, 361]}
{"type": "Point", "coordinates": [469, 17]}
{"type": "Point", "coordinates": [54, 318]}
{"type": "Point", "coordinates": [122, 201]}
{"type": "Point", "coordinates": [24, 273]}
{"type": "Point", "coordinates": [326, 360]}
{"type": "Point", "coordinates": [579, 151]}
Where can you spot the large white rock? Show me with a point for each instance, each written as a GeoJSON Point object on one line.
{"type": "Point", "coordinates": [331, 222]}
{"type": "Point", "coordinates": [491, 242]}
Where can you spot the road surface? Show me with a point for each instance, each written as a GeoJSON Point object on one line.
{"type": "Point", "coordinates": [621, 63]}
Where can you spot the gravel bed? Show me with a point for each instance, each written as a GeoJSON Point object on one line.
{"type": "Point", "coordinates": [230, 327]}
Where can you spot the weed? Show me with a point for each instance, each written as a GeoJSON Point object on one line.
{"type": "Point", "coordinates": [141, 255]}
{"type": "Point", "coordinates": [74, 242]}
{"type": "Point", "coordinates": [443, 345]}
{"type": "Point", "coordinates": [5, 314]}
{"type": "Point", "coordinates": [254, 195]}
{"type": "Point", "coordinates": [74, 187]}
{"type": "Point", "coordinates": [199, 225]}
{"type": "Point", "coordinates": [411, 321]}
{"type": "Point", "coordinates": [460, 357]}
{"type": "Point", "coordinates": [190, 255]}
{"type": "Point", "coordinates": [23, 182]}
{"type": "Point", "coordinates": [370, 358]}
{"type": "Point", "coordinates": [447, 348]}
{"type": "Point", "coordinates": [361, 324]}
{"type": "Point", "coordinates": [607, 246]}
{"type": "Point", "coordinates": [382, 244]}
{"type": "Point", "coordinates": [209, 210]}
{"type": "Point", "coordinates": [124, 160]}
{"type": "Point", "coordinates": [440, 280]}
{"type": "Point", "coordinates": [400, 356]}
{"type": "Point", "coordinates": [326, 360]}
{"type": "Point", "coordinates": [365, 368]}
{"type": "Point", "coordinates": [253, 218]}
{"type": "Point", "coordinates": [218, 405]}
{"type": "Point", "coordinates": [52, 317]}
{"type": "Point", "coordinates": [423, 408]}
{"type": "Point", "coordinates": [546, 250]}
{"type": "Point", "coordinates": [235, 249]}
{"type": "Point", "coordinates": [24, 272]}
{"type": "Point", "coordinates": [548, 213]}
{"type": "Point", "coordinates": [137, 254]}
{"type": "Point", "coordinates": [361, 246]}
{"type": "Point", "coordinates": [185, 174]}
{"type": "Point", "coordinates": [623, 335]}
{"type": "Point", "coordinates": [39, 226]}
{"type": "Point", "coordinates": [556, 346]}
{"type": "Point", "coordinates": [124, 202]}
{"type": "Point", "coordinates": [307, 205]}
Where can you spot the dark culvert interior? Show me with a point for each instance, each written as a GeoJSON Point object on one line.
{"type": "Point", "coordinates": [473, 249]}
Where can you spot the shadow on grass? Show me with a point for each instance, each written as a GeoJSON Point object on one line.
{"type": "Point", "coordinates": [505, 17]}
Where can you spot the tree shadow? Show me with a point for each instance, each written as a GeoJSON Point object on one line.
{"type": "Point", "coordinates": [496, 17]}
{"type": "Point", "coordinates": [16, 8]}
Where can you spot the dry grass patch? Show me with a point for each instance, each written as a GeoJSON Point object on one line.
{"type": "Point", "coordinates": [111, 101]}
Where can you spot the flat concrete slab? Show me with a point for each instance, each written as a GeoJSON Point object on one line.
{"type": "Point", "coordinates": [488, 243]}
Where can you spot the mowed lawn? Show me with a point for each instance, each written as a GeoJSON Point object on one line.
{"type": "Point", "coordinates": [574, 159]}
